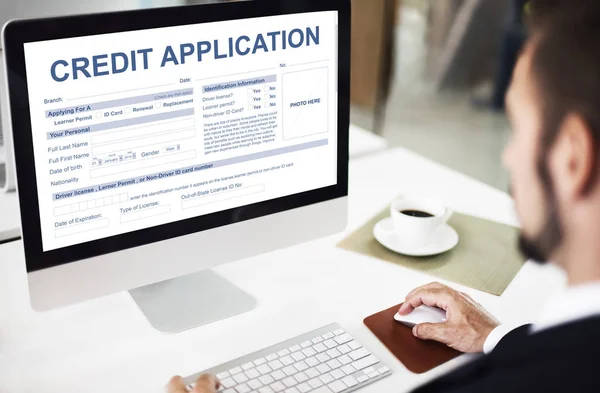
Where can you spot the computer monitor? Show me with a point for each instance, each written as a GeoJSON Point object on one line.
{"type": "Point", "coordinates": [154, 144]}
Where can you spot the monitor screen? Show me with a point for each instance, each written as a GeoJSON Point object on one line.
{"type": "Point", "coordinates": [137, 129]}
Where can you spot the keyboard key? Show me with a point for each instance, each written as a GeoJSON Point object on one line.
{"type": "Point", "coordinates": [277, 375]}
{"type": "Point", "coordinates": [312, 361]}
{"type": "Point", "coordinates": [312, 373]}
{"type": "Point", "coordinates": [333, 353]}
{"type": "Point", "coordinates": [289, 370]}
{"type": "Point", "coordinates": [289, 382]}
{"type": "Point", "coordinates": [383, 370]}
{"type": "Point", "coordinates": [343, 339]}
{"type": "Point", "coordinates": [348, 369]}
{"type": "Point", "coordinates": [247, 366]}
{"type": "Point", "coordinates": [255, 384]}
{"type": "Point", "coordinates": [301, 366]}
{"type": "Point", "coordinates": [315, 383]}
{"type": "Point", "coordinates": [330, 344]}
{"type": "Point", "coordinates": [327, 378]}
{"type": "Point", "coordinates": [345, 359]}
{"type": "Point", "coordinates": [301, 377]}
{"type": "Point", "coordinates": [327, 336]}
{"type": "Point", "coordinates": [264, 369]}
{"type": "Point", "coordinates": [334, 363]}
{"type": "Point", "coordinates": [223, 375]}
{"type": "Point", "coordinates": [308, 352]}
{"type": "Point", "coordinates": [323, 368]}
{"type": "Point", "coordinates": [287, 360]}
{"type": "Point", "coordinates": [365, 362]}
{"type": "Point", "coordinates": [252, 373]}
{"type": "Point", "coordinates": [243, 388]}
{"type": "Point", "coordinates": [304, 387]}
{"type": "Point", "coordinates": [350, 381]}
{"type": "Point", "coordinates": [369, 370]}
{"type": "Point", "coordinates": [338, 374]}
{"type": "Point", "coordinates": [373, 374]}
{"type": "Point", "coordinates": [306, 344]}
{"type": "Point", "coordinates": [224, 391]}
{"type": "Point", "coordinates": [260, 361]}
{"type": "Point", "coordinates": [228, 383]}
{"type": "Point", "coordinates": [317, 340]}
{"type": "Point", "coordinates": [295, 348]}
{"type": "Point", "coordinates": [359, 354]}
{"type": "Point", "coordinates": [292, 390]}
{"type": "Point", "coordinates": [240, 378]}
{"type": "Point", "coordinates": [278, 387]}
{"type": "Point", "coordinates": [338, 332]}
{"type": "Point", "coordinates": [362, 378]}
{"type": "Point", "coordinates": [337, 386]}
{"type": "Point", "coordinates": [283, 352]}
{"type": "Point", "coordinates": [320, 348]}
{"type": "Point", "coordinates": [298, 356]}
{"type": "Point", "coordinates": [272, 357]}
{"type": "Point", "coordinates": [354, 345]}
{"type": "Point", "coordinates": [275, 364]}
{"type": "Point", "coordinates": [266, 389]}
{"type": "Point", "coordinates": [322, 357]}
{"type": "Point", "coordinates": [235, 370]}
{"type": "Point", "coordinates": [344, 349]}
{"type": "Point", "coordinates": [266, 380]}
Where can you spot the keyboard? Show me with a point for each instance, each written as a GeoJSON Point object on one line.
{"type": "Point", "coordinates": [326, 360]}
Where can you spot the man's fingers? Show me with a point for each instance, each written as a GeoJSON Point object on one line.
{"type": "Point", "coordinates": [439, 298]}
{"type": "Point", "coordinates": [432, 331]}
{"type": "Point", "coordinates": [407, 307]}
{"type": "Point", "coordinates": [176, 385]}
{"type": "Point", "coordinates": [206, 384]}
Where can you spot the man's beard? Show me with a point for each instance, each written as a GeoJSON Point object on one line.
{"type": "Point", "coordinates": [540, 248]}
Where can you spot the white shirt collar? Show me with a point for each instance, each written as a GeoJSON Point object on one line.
{"type": "Point", "coordinates": [574, 304]}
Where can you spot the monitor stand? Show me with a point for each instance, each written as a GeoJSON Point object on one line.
{"type": "Point", "coordinates": [183, 303]}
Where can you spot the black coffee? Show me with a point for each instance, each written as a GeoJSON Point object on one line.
{"type": "Point", "coordinates": [416, 213]}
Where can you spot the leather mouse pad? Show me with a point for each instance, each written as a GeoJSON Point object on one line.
{"type": "Point", "coordinates": [417, 355]}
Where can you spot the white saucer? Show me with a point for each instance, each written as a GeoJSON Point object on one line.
{"type": "Point", "coordinates": [444, 240]}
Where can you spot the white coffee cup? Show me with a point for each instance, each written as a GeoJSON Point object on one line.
{"type": "Point", "coordinates": [418, 231]}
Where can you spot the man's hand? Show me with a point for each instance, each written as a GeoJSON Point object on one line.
{"type": "Point", "coordinates": [205, 384]}
{"type": "Point", "coordinates": [467, 324]}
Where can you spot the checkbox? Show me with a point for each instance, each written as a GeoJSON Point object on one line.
{"type": "Point", "coordinates": [127, 110]}
{"type": "Point", "coordinates": [98, 115]}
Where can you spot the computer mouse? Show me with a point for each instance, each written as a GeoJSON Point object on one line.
{"type": "Point", "coordinates": [423, 314]}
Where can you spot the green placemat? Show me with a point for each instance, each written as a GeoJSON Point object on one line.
{"type": "Point", "coordinates": [486, 257]}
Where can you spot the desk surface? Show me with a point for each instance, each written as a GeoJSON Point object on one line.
{"type": "Point", "coordinates": [106, 345]}
{"type": "Point", "coordinates": [362, 143]}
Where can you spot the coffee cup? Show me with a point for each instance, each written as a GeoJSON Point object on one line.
{"type": "Point", "coordinates": [416, 221]}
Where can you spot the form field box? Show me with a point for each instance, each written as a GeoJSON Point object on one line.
{"type": "Point", "coordinates": [142, 142]}
{"type": "Point", "coordinates": [222, 196]}
{"type": "Point", "coordinates": [90, 204]}
{"type": "Point", "coordinates": [146, 213]}
{"type": "Point", "coordinates": [142, 164]}
{"type": "Point", "coordinates": [144, 131]}
{"type": "Point", "coordinates": [80, 228]}
{"type": "Point", "coordinates": [305, 103]}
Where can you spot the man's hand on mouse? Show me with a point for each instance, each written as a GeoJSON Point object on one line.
{"type": "Point", "coordinates": [467, 324]}
{"type": "Point", "coordinates": [205, 384]}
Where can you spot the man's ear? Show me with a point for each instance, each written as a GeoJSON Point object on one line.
{"type": "Point", "coordinates": [573, 158]}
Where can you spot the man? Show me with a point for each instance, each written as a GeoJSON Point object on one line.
{"type": "Point", "coordinates": [554, 160]}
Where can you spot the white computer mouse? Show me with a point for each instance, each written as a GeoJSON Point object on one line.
{"type": "Point", "coordinates": [423, 314]}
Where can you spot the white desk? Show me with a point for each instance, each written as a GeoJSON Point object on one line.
{"type": "Point", "coordinates": [106, 345]}
{"type": "Point", "coordinates": [362, 143]}
{"type": "Point", "coordinates": [10, 219]}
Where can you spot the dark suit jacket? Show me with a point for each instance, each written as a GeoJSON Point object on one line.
{"type": "Point", "coordinates": [561, 359]}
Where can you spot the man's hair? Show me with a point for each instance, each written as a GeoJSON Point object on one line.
{"type": "Point", "coordinates": [565, 66]}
